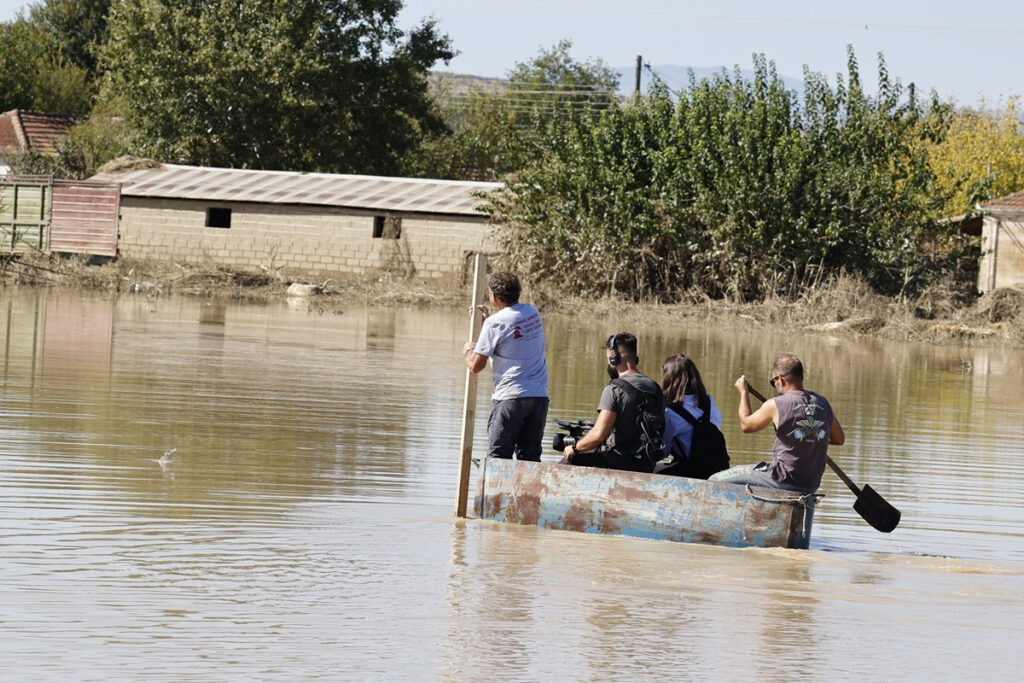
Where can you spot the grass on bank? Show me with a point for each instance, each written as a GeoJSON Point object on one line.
{"type": "Point", "coordinates": [839, 306]}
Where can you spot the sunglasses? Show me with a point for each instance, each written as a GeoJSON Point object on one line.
{"type": "Point", "coordinates": [774, 379]}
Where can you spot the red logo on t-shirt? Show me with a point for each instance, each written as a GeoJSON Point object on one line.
{"type": "Point", "coordinates": [517, 334]}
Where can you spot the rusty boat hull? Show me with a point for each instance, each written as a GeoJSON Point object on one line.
{"type": "Point", "coordinates": [653, 506]}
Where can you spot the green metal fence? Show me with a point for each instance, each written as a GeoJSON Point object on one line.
{"type": "Point", "coordinates": [24, 213]}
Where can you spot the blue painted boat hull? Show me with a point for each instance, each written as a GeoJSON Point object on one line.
{"type": "Point", "coordinates": [655, 506]}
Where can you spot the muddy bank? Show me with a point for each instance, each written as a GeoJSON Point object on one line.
{"type": "Point", "coordinates": [842, 307]}
{"type": "Point", "coordinates": [126, 277]}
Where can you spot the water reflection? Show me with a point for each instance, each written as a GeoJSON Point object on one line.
{"type": "Point", "coordinates": [304, 525]}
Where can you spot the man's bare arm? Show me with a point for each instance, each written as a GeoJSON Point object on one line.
{"type": "Point", "coordinates": [758, 420]}
{"type": "Point", "coordinates": [474, 361]}
{"type": "Point", "coordinates": [836, 435]}
{"type": "Point", "coordinates": [597, 434]}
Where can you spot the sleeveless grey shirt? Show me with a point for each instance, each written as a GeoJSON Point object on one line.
{"type": "Point", "coordinates": [801, 441]}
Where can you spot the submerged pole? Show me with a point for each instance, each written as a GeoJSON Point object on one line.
{"type": "Point", "coordinates": [469, 395]}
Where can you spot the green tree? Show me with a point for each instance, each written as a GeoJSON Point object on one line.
{"type": "Point", "coordinates": [298, 84]}
{"type": "Point", "coordinates": [34, 75]}
{"type": "Point", "coordinates": [981, 157]}
{"type": "Point", "coordinates": [77, 29]}
{"type": "Point", "coordinates": [496, 127]}
{"type": "Point", "coordinates": [554, 79]}
{"type": "Point", "coordinates": [479, 141]}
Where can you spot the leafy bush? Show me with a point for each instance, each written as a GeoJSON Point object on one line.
{"type": "Point", "coordinates": [738, 189]}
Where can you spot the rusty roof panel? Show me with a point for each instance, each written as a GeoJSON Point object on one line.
{"type": "Point", "coordinates": [1011, 202]}
{"type": "Point", "coordinates": [9, 133]}
{"type": "Point", "coordinates": [411, 195]}
{"type": "Point", "coordinates": [33, 130]}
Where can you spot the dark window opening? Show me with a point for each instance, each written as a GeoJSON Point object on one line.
{"type": "Point", "coordinates": [387, 227]}
{"type": "Point", "coordinates": [218, 218]}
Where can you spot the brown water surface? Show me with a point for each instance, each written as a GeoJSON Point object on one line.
{"type": "Point", "coordinates": [302, 526]}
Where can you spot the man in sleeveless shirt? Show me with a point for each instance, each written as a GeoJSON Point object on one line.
{"type": "Point", "coordinates": [615, 441]}
{"type": "Point", "coordinates": [513, 338]}
{"type": "Point", "coordinates": [805, 426]}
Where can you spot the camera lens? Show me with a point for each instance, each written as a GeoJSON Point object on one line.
{"type": "Point", "coordinates": [558, 442]}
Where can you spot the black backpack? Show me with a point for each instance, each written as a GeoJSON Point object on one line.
{"type": "Point", "coordinates": [707, 449]}
{"type": "Point", "coordinates": [650, 425]}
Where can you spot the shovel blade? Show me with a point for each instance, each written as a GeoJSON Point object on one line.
{"type": "Point", "coordinates": [876, 510]}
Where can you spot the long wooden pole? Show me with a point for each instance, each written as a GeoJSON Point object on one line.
{"type": "Point", "coordinates": [469, 395]}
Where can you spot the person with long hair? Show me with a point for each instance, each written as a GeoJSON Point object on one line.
{"type": "Point", "coordinates": [690, 412]}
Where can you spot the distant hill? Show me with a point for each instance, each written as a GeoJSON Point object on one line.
{"type": "Point", "coordinates": [459, 85]}
{"type": "Point", "coordinates": [678, 77]}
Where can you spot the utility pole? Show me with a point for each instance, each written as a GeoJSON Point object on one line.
{"type": "Point", "coordinates": [639, 67]}
{"type": "Point", "coordinates": [910, 90]}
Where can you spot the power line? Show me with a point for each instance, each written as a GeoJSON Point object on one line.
{"type": "Point", "coordinates": [658, 76]}
{"type": "Point", "coordinates": [528, 99]}
{"type": "Point", "coordinates": [500, 85]}
{"type": "Point", "coordinates": [542, 108]}
{"type": "Point", "coordinates": [549, 93]}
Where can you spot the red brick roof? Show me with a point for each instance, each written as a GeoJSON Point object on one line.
{"type": "Point", "coordinates": [1011, 202]}
{"type": "Point", "coordinates": [9, 135]}
{"type": "Point", "coordinates": [23, 130]}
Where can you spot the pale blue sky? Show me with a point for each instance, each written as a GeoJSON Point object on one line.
{"type": "Point", "coordinates": [964, 50]}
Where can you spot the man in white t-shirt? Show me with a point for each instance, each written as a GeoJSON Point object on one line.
{"type": "Point", "coordinates": [513, 338]}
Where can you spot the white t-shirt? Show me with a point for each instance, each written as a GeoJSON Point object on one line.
{"type": "Point", "coordinates": [513, 338]}
{"type": "Point", "coordinates": [679, 432]}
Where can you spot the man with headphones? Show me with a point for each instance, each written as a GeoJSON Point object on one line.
{"type": "Point", "coordinates": [627, 434]}
{"type": "Point", "coordinates": [513, 338]}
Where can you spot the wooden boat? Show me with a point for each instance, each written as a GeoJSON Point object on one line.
{"type": "Point", "coordinates": [654, 506]}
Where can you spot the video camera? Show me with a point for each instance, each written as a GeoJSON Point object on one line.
{"type": "Point", "coordinates": [576, 429]}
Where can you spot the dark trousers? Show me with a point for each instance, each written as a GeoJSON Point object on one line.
{"type": "Point", "coordinates": [516, 426]}
{"type": "Point", "coordinates": [611, 460]}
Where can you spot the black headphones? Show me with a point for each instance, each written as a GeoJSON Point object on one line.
{"type": "Point", "coordinates": [613, 344]}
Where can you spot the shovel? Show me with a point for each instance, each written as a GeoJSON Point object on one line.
{"type": "Point", "coordinates": [875, 510]}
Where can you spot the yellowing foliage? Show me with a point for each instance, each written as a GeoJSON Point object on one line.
{"type": "Point", "coordinates": [981, 157]}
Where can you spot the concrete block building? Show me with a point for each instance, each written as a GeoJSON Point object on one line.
{"type": "Point", "coordinates": [1002, 233]}
{"type": "Point", "coordinates": [321, 225]}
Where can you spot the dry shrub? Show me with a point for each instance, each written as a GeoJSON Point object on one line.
{"type": "Point", "coordinates": [936, 303]}
{"type": "Point", "coordinates": [126, 164]}
{"type": "Point", "coordinates": [1002, 305]}
{"type": "Point", "coordinates": [958, 332]}
{"type": "Point", "coordinates": [40, 269]}
{"type": "Point", "coordinates": [841, 298]}
{"type": "Point", "coordinates": [845, 296]}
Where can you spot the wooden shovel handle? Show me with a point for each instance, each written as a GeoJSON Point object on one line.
{"type": "Point", "coordinates": [842, 475]}
{"type": "Point", "coordinates": [757, 394]}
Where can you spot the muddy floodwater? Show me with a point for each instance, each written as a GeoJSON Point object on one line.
{"type": "Point", "coordinates": [214, 491]}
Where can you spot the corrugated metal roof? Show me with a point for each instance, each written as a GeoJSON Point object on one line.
{"type": "Point", "coordinates": [376, 193]}
{"type": "Point", "coordinates": [1010, 203]}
